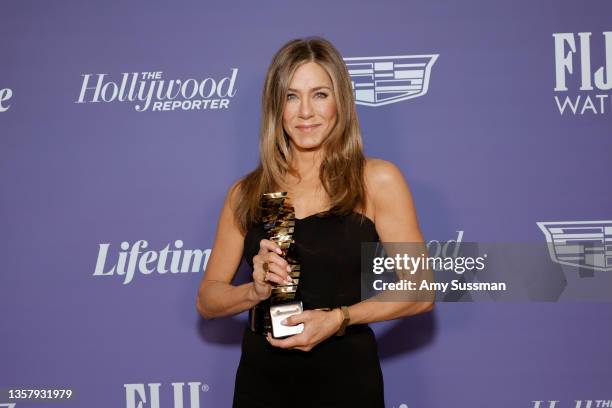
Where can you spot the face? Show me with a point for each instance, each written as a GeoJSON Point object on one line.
{"type": "Point", "coordinates": [310, 109]}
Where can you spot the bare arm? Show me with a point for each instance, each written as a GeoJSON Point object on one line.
{"type": "Point", "coordinates": [396, 221]}
{"type": "Point", "coordinates": [216, 295]}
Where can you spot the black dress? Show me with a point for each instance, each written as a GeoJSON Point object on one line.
{"type": "Point", "coordinates": [341, 371]}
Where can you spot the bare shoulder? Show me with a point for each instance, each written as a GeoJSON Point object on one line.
{"type": "Point", "coordinates": [230, 205]}
{"type": "Point", "coordinates": [393, 206]}
{"type": "Point", "coordinates": [382, 175]}
{"type": "Point", "coordinates": [233, 194]}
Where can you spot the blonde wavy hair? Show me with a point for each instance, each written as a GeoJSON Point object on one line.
{"type": "Point", "coordinates": [342, 167]}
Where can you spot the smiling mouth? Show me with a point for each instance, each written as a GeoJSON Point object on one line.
{"type": "Point", "coordinates": [307, 128]}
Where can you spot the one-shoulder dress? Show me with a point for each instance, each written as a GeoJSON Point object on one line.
{"type": "Point", "coordinates": [341, 371]}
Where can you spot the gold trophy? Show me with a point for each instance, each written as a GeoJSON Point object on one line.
{"type": "Point", "coordinates": [266, 316]}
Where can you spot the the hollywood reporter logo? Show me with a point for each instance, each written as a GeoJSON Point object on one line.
{"type": "Point", "coordinates": [151, 92]}
{"type": "Point", "coordinates": [573, 51]}
{"type": "Point", "coordinates": [5, 95]}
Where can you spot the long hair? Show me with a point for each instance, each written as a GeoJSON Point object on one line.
{"type": "Point", "coordinates": [342, 167]}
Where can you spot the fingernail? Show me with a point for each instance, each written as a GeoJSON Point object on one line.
{"type": "Point", "coordinates": [284, 322]}
{"type": "Point", "coordinates": [288, 268]}
{"type": "Point", "coordinates": [279, 251]}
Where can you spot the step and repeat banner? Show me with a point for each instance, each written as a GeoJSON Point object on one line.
{"type": "Point", "coordinates": [122, 125]}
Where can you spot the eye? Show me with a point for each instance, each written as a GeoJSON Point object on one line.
{"type": "Point", "coordinates": [323, 94]}
{"type": "Point", "coordinates": [290, 95]}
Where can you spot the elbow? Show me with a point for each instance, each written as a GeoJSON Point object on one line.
{"type": "Point", "coordinates": [202, 310]}
{"type": "Point", "coordinates": [429, 306]}
{"type": "Point", "coordinates": [414, 308]}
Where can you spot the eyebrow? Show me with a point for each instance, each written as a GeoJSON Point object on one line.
{"type": "Point", "coordinates": [313, 89]}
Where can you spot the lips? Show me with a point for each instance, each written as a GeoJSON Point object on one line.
{"type": "Point", "coordinates": [307, 128]}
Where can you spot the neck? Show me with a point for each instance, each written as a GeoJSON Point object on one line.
{"type": "Point", "coordinates": [307, 162]}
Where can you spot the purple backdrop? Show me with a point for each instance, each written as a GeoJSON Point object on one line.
{"type": "Point", "coordinates": [492, 147]}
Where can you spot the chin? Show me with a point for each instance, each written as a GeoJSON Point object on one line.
{"type": "Point", "coordinates": [308, 145]}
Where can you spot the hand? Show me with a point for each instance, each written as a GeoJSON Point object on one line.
{"type": "Point", "coordinates": [277, 269]}
{"type": "Point", "coordinates": [318, 326]}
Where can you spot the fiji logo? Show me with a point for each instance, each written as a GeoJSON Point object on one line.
{"type": "Point", "coordinates": [586, 244]}
{"type": "Point", "coordinates": [380, 81]}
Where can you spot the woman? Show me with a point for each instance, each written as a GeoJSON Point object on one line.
{"type": "Point", "coordinates": [310, 147]}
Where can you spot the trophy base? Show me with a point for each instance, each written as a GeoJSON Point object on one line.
{"type": "Point", "coordinates": [260, 321]}
{"type": "Point", "coordinates": [280, 312]}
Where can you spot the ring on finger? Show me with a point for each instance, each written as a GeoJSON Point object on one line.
{"type": "Point", "coordinates": [265, 267]}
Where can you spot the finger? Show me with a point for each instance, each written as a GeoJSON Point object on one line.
{"type": "Point", "coordinates": [258, 260]}
{"type": "Point", "coordinates": [267, 276]}
{"type": "Point", "coordinates": [297, 318]}
{"type": "Point", "coordinates": [259, 273]}
{"type": "Point", "coordinates": [274, 277]}
{"type": "Point", "coordinates": [272, 274]}
{"type": "Point", "coordinates": [280, 272]}
{"type": "Point", "coordinates": [260, 277]}
{"type": "Point", "coordinates": [286, 343]}
{"type": "Point", "coordinates": [266, 245]}
{"type": "Point", "coordinates": [277, 264]}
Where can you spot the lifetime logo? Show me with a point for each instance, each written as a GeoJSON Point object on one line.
{"type": "Point", "coordinates": [139, 396]}
{"type": "Point", "coordinates": [5, 95]}
{"type": "Point", "coordinates": [131, 259]}
{"type": "Point", "coordinates": [599, 80]}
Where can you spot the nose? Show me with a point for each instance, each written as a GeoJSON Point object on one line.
{"type": "Point", "coordinates": [305, 108]}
